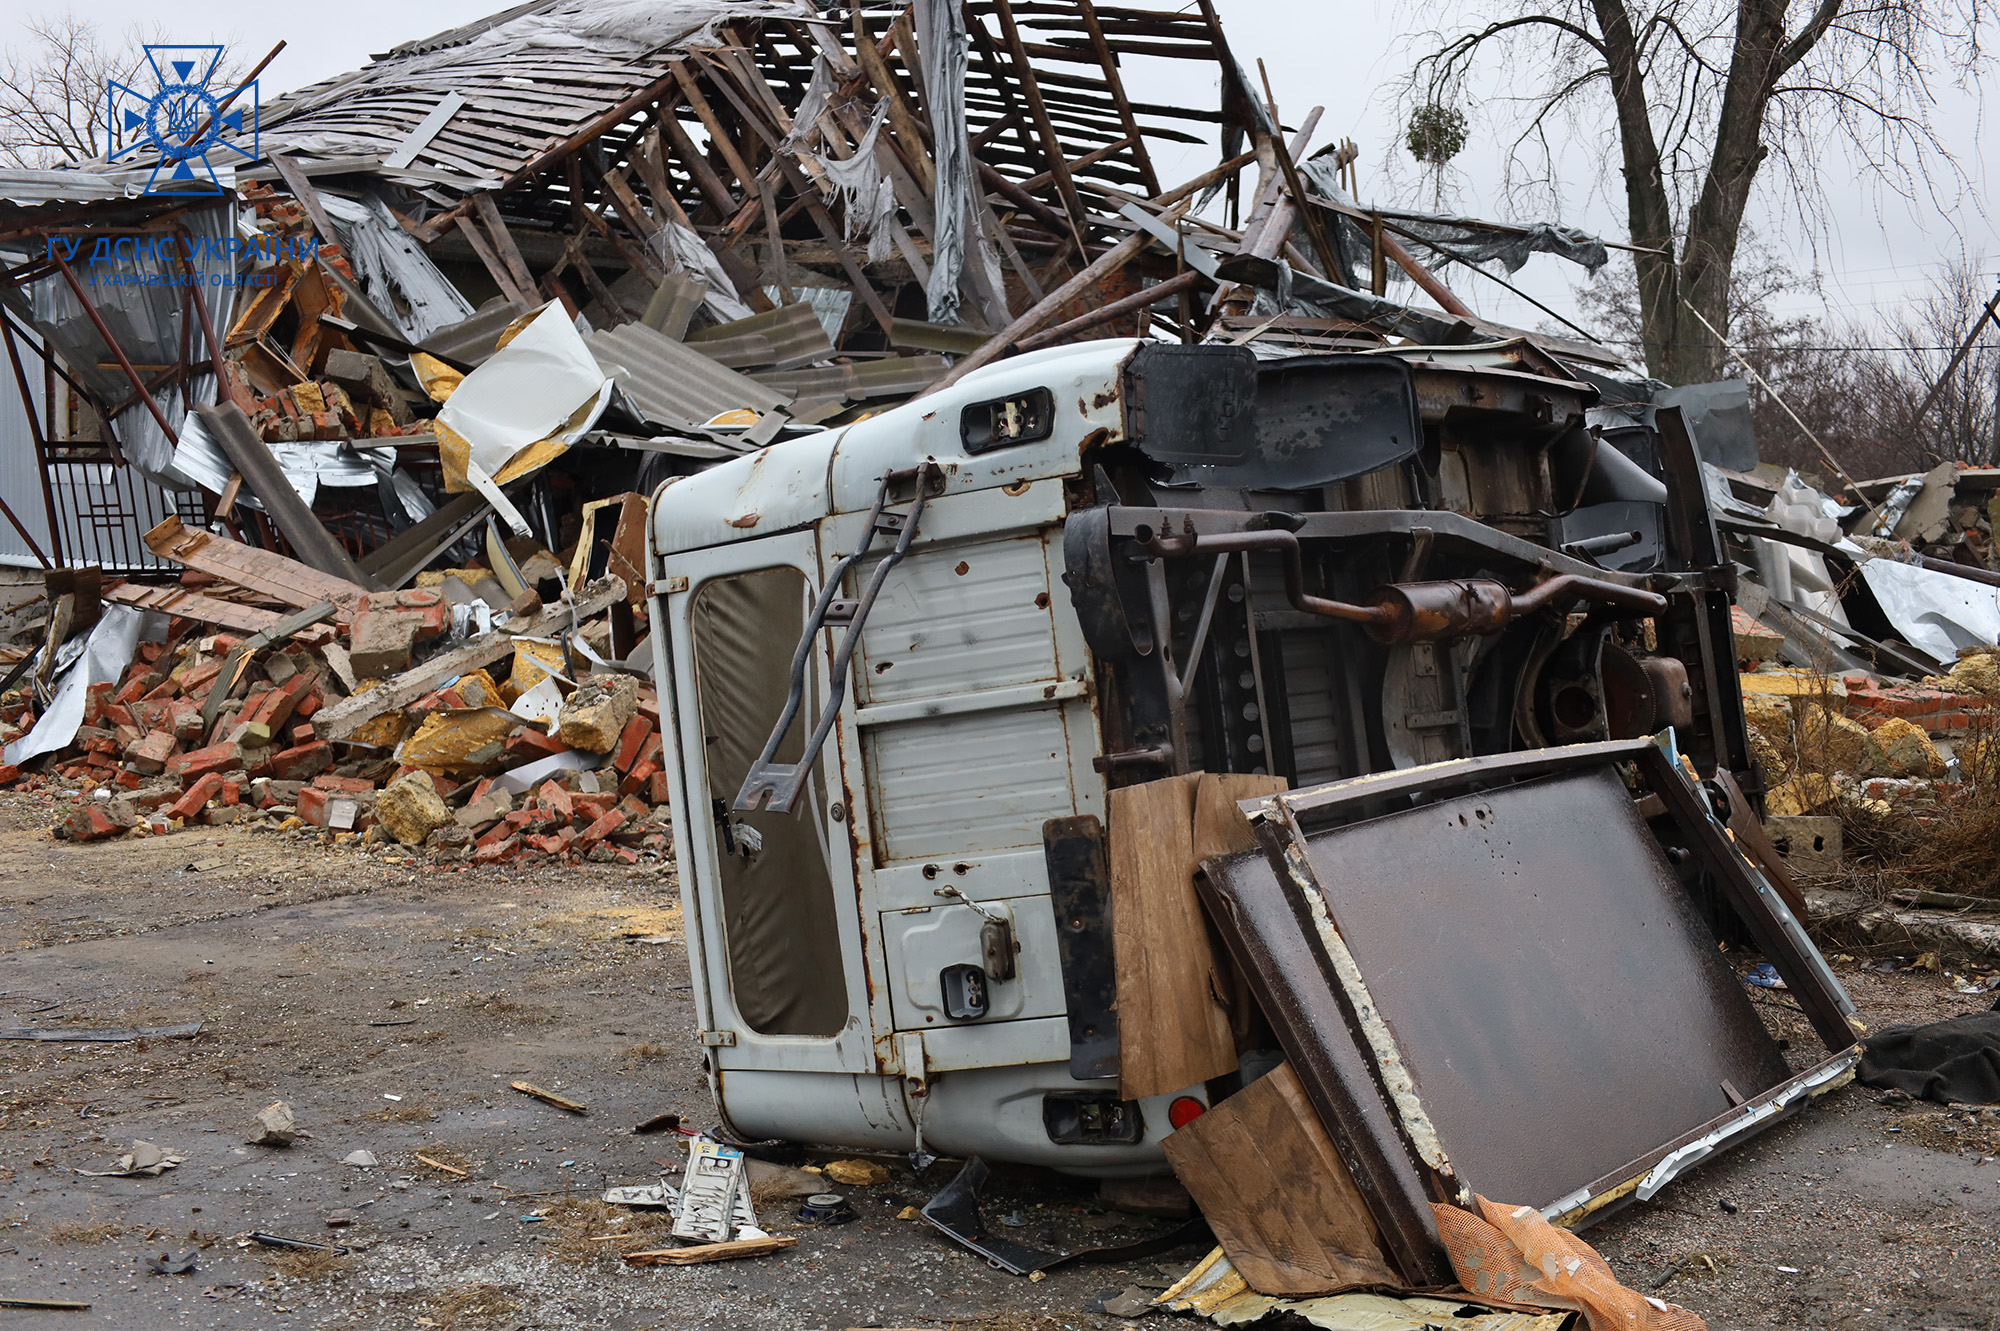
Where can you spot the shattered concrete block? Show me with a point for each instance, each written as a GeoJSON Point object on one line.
{"type": "Point", "coordinates": [382, 641]}
{"type": "Point", "coordinates": [366, 379]}
{"type": "Point", "coordinates": [1754, 642]}
{"type": "Point", "coordinates": [1978, 673]}
{"type": "Point", "coordinates": [274, 1126]}
{"type": "Point", "coordinates": [1794, 684]}
{"type": "Point", "coordinates": [487, 808]}
{"type": "Point", "coordinates": [532, 663]}
{"type": "Point", "coordinates": [410, 810]}
{"type": "Point", "coordinates": [595, 715]}
{"type": "Point", "coordinates": [224, 814]}
{"type": "Point", "coordinates": [480, 689]}
{"type": "Point", "coordinates": [271, 793]}
{"type": "Point", "coordinates": [1804, 793]}
{"type": "Point", "coordinates": [420, 601]}
{"type": "Point", "coordinates": [468, 743]}
{"type": "Point", "coordinates": [1829, 741]}
{"type": "Point", "coordinates": [1899, 748]}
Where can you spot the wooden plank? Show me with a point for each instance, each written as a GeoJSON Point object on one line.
{"type": "Point", "coordinates": [495, 269]}
{"type": "Point", "coordinates": [718, 136]}
{"type": "Point", "coordinates": [308, 197]}
{"type": "Point", "coordinates": [351, 713]}
{"type": "Point", "coordinates": [193, 605]}
{"type": "Point", "coordinates": [266, 571]}
{"type": "Point", "coordinates": [550, 1097]}
{"type": "Point", "coordinates": [1173, 1032]}
{"type": "Point", "coordinates": [902, 119]}
{"type": "Point", "coordinates": [712, 1252]}
{"type": "Point", "coordinates": [1281, 1201]}
{"type": "Point", "coordinates": [824, 221]}
{"type": "Point", "coordinates": [711, 185]}
{"type": "Point", "coordinates": [503, 242]}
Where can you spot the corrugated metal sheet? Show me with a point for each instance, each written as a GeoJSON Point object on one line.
{"type": "Point", "coordinates": [894, 376]}
{"type": "Point", "coordinates": [32, 189]}
{"type": "Point", "coordinates": [957, 619]}
{"type": "Point", "coordinates": [673, 383]}
{"type": "Point", "coordinates": [471, 340]}
{"type": "Point", "coordinates": [785, 338]}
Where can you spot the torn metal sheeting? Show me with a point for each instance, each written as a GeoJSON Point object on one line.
{"type": "Point", "coordinates": [1431, 1063]}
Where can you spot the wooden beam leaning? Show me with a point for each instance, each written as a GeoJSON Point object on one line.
{"type": "Point", "coordinates": [503, 241]}
{"type": "Point", "coordinates": [483, 250]}
{"type": "Point", "coordinates": [1116, 85]}
{"type": "Point", "coordinates": [265, 571]}
{"type": "Point", "coordinates": [902, 120]}
{"type": "Point", "coordinates": [831, 231]}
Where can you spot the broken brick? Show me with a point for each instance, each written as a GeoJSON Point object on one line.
{"type": "Point", "coordinates": [302, 762]}
{"type": "Point", "coordinates": [197, 795]}
{"type": "Point", "coordinates": [224, 757]}
{"type": "Point", "coordinates": [151, 754]}
{"type": "Point", "coordinates": [97, 820]}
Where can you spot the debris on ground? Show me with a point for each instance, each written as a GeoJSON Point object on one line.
{"type": "Point", "coordinates": [1052, 614]}
{"type": "Point", "coordinates": [274, 1126]}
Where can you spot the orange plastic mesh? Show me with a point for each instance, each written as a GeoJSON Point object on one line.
{"type": "Point", "coordinates": [1516, 1256]}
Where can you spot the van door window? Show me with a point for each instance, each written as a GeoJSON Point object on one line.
{"type": "Point", "coordinates": [777, 896]}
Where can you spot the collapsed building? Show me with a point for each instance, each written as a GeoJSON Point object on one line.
{"type": "Point", "coordinates": [1063, 616]}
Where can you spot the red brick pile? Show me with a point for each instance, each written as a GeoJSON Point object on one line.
{"type": "Point", "coordinates": [145, 746]}
{"type": "Point", "coordinates": [1941, 712]}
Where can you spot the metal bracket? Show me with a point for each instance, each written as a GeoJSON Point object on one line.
{"type": "Point", "coordinates": [773, 785]}
{"type": "Point", "coordinates": [718, 1039]}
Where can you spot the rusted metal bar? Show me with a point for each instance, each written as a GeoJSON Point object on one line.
{"type": "Point", "coordinates": [1400, 612]}
{"type": "Point", "coordinates": [124, 361]}
{"type": "Point", "coordinates": [41, 444]}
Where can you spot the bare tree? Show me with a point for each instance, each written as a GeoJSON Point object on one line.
{"type": "Point", "coordinates": [1897, 375]}
{"type": "Point", "coordinates": [1700, 95]}
{"type": "Point", "coordinates": [52, 95]}
{"type": "Point", "coordinates": [1856, 384]}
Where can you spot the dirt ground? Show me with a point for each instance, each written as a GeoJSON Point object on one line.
{"type": "Point", "coordinates": [391, 1003]}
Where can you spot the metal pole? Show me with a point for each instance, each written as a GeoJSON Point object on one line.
{"type": "Point", "coordinates": [41, 451]}
{"type": "Point", "coordinates": [1958, 356]}
{"type": "Point", "coordinates": [124, 361]}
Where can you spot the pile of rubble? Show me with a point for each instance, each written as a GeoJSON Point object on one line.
{"type": "Point", "coordinates": [377, 716]}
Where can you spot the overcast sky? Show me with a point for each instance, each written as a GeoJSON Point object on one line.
{"type": "Point", "coordinates": [1346, 56]}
